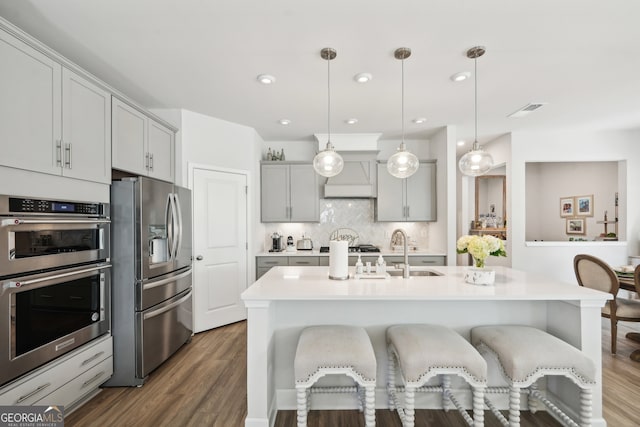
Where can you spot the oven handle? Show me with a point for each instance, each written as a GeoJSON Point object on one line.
{"type": "Point", "coordinates": [57, 276]}
{"type": "Point", "coordinates": [14, 221]}
{"type": "Point", "coordinates": [171, 306]}
{"type": "Point", "coordinates": [152, 285]}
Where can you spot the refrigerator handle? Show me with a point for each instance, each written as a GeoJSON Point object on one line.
{"type": "Point", "coordinates": [179, 224]}
{"type": "Point", "coordinates": [174, 228]}
{"type": "Point", "coordinates": [169, 225]}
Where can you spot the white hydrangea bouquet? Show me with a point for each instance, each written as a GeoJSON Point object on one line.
{"type": "Point", "coordinates": [480, 247]}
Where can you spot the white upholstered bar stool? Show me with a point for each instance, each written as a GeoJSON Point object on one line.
{"type": "Point", "coordinates": [335, 349]}
{"type": "Point", "coordinates": [426, 351]}
{"type": "Point", "coordinates": [526, 354]}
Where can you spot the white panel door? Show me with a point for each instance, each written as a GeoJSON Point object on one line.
{"type": "Point", "coordinates": [220, 247]}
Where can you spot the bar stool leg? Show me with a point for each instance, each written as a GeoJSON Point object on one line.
{"type": "Point", "coordinates": [370, 406]}
{"type": "Point", "coordinates": [585, 407]}
{"type": "Point", "coordinates": [478, 406]}
{"type": "Point", "coordinates": [409, 405]}
{"type": "Point", "coordinates": [446, 385]}
{"type": "Point", "coordinates": [514, 406]}
{"type": "Point", "coordinates": [532, 401]}
{"type": "Point", "coordinates": [391, 381]}
{"type": "Point", "coordinates": [302, 406]}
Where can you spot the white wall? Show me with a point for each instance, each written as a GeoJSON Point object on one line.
{"type": "Point", "coordinates": [556, 259]}
{"type": "Point", "coordinates": [546, 183]}
{"type": "Point", "coordinates": [442, 233]}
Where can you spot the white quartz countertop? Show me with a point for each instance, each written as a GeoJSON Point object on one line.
{"type": "Point", "coordinates": [383, 252]}
{"type": "Point", "coordinates": [313, 283]}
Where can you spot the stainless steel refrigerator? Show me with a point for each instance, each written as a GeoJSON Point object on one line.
{"type": "Point", "coordinates": [151, 275]}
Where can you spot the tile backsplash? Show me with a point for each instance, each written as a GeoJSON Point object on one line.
{"type": "Point", "coordinates": [354, 214]}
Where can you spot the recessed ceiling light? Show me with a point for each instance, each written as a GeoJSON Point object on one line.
{"type": "Point", "coordinates": [419, 120]}
{"type": "Point", "coordinates": [266, 79]}
{"type": "Point", "coordinates": [461, 76]}
{"type": "Point", "coordinates": [362, 77]}
{"type": "Point", "coordinates": [461, 143]}
{"type": "Point", "coordinates": [351, 121]}
{"type": "Point", "coordinates": [284, 122]}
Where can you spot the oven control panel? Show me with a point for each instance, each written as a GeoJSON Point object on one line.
{"type": "Point", "coordinates": [24, 205]}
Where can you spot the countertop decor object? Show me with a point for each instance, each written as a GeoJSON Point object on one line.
{"type": "Point", "coordinates": [480, 247]}
{"type": "Point", "coordinates": [328, 163]}
{"type": "Point", "coordinates": [403, 163]}
{"type": "Point", "coordinates": [347, 234]}
{"type": "Point", "coordinates": [338, 260]}
{"type": "Point", "coordinates": [477, 161]}
{"type": "Point", "coordinates": [480, 276]}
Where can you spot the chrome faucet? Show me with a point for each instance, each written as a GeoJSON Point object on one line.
{"type": "Point", "coordinates": [405, 267]}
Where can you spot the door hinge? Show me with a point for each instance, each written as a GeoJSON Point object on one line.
{"type": "Point", "coordinates": [246, 189]}
{"type": "Point", "coordinates": [246, 245]}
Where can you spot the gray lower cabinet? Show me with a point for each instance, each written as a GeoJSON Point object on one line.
{"type": "Point", "coordinates": [289, 192]}
{"type": "Point", "coordinates": [408, 199]}
{"type": "Point", "coordinates": [264, 264]}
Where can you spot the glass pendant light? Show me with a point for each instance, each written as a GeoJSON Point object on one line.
{"type": "Point", "coordinates": [477, 161]}
{"type": "Point", "coordinates": [327, 162]}
{"type": "Point", "coordinates": [403, 163]}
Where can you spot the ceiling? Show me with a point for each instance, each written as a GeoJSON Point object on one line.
{"type": "Point", "coordinates": [580, 57]}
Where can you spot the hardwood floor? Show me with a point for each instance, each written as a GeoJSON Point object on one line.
{"type": "Point", "coordinates": [204, 384]}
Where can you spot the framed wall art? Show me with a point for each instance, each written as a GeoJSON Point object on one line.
{"type": "Point", "coordinates": [584, 205]}
{"type": "Point", "coordinates": [576, 226]}
{"type": "Point", "coordinates": [567, 206]}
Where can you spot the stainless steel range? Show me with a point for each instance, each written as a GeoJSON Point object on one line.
{"type": "Point", "coordinates": [54, 280]}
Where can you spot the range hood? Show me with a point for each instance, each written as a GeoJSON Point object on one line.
{"type": "Point", "coordinates": [358, 178]}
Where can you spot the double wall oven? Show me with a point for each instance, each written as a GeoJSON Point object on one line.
{"type": "Point", "coordinates": [54, 280]}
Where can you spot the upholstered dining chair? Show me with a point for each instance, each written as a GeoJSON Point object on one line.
{"type": "Point", "coordinates": [594, 273]}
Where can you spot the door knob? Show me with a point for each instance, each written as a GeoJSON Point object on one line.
{"type": "Point", "coordinates": [199, 258]}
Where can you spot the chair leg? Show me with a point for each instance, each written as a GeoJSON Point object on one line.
{"type": "Point", "coordinates": [585, 407]}
{"type": "Point", "coordinates": [514, 406]}
{"type": "Point", "coordinates": [614, 335]}
{"type": "Point", "coordinates": [409, 405]}
{"type": "Point", "coordinates": [370, 406]}
{"type": "Point", "coordinates": [302, 406]}
{"type": "Point", "coordinates": [478, 406]}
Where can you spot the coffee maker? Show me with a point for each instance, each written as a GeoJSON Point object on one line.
{"type": "Point", "coordinates": [277, 243]}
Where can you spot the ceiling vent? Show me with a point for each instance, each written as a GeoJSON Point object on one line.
{"type": "Point", "coordinates": [527, 109]}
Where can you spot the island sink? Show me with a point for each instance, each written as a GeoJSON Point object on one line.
{"type": "Point", "coordinates": [422, 273]}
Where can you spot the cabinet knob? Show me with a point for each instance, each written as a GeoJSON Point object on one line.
{"type": "Point", "coordinates": [199, 258]}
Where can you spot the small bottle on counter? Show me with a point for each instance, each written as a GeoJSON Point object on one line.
{"type": "Point", "coordinates": [269, 154]}
{"type": "Point", "coordinates": [381, 265]}
{"type": "Point", "coordinates": [359, 266]}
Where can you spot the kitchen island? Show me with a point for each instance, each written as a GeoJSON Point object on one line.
{"type": "Point", "coordinates": [287, 299]}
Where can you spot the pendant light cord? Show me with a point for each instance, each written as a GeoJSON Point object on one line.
{"type": "Point", "coordinates": [402, 97]}
{"type": "Point", "coordinates": [475, 100]}
{"type": "Point", "coordinates": [329, 101]}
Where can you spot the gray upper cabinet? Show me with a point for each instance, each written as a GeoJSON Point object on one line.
{"type": "Point", "coordinates": [54, 120]}
{"type": "Point", "coordinates": [408, 199]}
{"type": "Point", "coordinates": [140, 144]}
{"type": "Point", "coordinates": [289, 192]}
